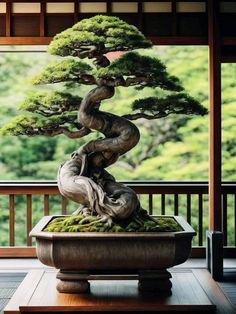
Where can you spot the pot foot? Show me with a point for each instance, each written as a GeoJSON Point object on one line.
{"type": "Point", "coordinates": [64, 286]}
{"type": "Point", "coordinates": [72, 282]}
{"type": "Point", "coordinates": [157, 281]}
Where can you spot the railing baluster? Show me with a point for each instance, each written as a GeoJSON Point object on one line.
{"type": "Point", "coordinates": [11, 220]}
{"type": "Point", "coordinates": [224, 217]}
{"type": "Point", "coordinates": [176, 204]}
{"type": "Point", "coordinates": [163, 204]}
{"type": "Point", "coordinates": [28, 218]}
{"type": "Point", "coordinates": [46, 205]}
{"type": "Point", "coordinates": [150, 204]}
{"type": "Point", "coordinates": [189, 208]}
{"type": "Point", "coordinates": [200, 208]}
{"type": "Point", "coordinates": [63, 205]}
{"type": "Point", "coordinates": [168, 192]}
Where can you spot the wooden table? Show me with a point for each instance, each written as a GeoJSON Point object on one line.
{"type": "Point", "coordinates": [37, 294]}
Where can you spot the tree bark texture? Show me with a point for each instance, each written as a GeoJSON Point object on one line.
{"type": "Point", "coordinates": [83, 178]}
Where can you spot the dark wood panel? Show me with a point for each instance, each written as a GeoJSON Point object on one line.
{"type": "Point", "coordinates": [2, 25]}
{"type": "Point", "coordinates": [155, 24]}
{"type": "Point", "coordinates": [191, 24]}
{"type": "Point", "coordinates": [55, 24]}
{"type": "Point", "coordinates": [228, 24]}
{"type": "Point", "coordinates": [131, 18]}
{"type": "Point", "coordinates": [85, 15]}
{"type": "Point", "coordinates": [25, 25]}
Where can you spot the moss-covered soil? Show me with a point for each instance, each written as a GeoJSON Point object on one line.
{"type": "Point", "coordinates": [79, 223]}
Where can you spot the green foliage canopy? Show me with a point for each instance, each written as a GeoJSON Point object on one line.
{"type": "Point", "coordinates": [141, 70]}
{"type": "Point", "coordinates": [48, 103]}
{"type": "Point", "coordinates": [62, 70]}
{"type": "Point", "coordinates": [35, 125]}
{"type": "Point", "coordinates": [98, 34]}
{"type": "Point", "coordinates": [55, 113]}
{"type": "Point", "coordinates": [155, 108]}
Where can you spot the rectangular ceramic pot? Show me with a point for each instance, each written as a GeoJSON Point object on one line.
{"type": "Point", "coordinates": [113, 251]}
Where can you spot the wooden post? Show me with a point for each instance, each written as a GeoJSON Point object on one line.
{"type": "Point", "coordinates": [214, 251]}
{"type": "Point", "coordinates": [215, 218]}
{"type": "Point", "coordinates": [214, 254]}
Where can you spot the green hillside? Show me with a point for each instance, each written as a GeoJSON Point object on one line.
{"type": "Point", "coordinates": [172, 148]}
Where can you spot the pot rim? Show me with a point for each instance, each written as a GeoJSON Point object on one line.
{"type": "Point", "coordinates": [38, 232]}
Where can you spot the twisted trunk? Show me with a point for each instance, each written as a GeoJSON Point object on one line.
{"type": "Point", "coordinates": [83, 178]}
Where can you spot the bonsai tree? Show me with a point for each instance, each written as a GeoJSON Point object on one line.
{"type": "Point", "coordinates": [106, 204]}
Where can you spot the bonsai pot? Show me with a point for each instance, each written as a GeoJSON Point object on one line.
{"type": "Point", "coordinates": [84, 256]}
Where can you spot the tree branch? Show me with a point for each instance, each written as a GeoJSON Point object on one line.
{"type": "Point", "coordinates": [48, 114]}
{"type": "Point", "coordinates": [71, 134]}
{"type": "Point", "coordinates": [140, 115]}
{"type": "Point", "coordinates": [94, 52]}
{"type": "Point", "coordinates": [138, 80]}
{"type": "Point", "coordinates": [87, 79]}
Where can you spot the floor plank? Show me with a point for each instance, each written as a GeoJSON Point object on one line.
{"type": "Point", "coordinates": [214, 292]}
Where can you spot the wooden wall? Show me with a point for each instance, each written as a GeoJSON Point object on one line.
{"type": "Point", "coordinates": [165, 22]}
{"type": "Point", "coordinates": [154, 18]}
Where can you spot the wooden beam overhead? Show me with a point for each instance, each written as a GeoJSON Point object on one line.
{"type": "Point", "coordinates": [162, 40]}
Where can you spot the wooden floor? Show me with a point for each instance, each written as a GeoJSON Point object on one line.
{"type": "Point", "coordinates": [9, 281]}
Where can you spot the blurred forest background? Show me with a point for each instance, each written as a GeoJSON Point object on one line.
{"type": "Point", "coordinates": [172, 149]}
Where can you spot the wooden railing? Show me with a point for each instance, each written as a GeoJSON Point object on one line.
{"type": "Point", "coordinates": [188, 199]}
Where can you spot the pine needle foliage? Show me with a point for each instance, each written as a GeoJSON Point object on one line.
{"type": "Point", "coordinates": [62, 70]}
{"type": "Point", "coordinates": [54, 113]}
{"type": "Point", "coordinates": [108, 32]}
{"type": "Point", "coordinates": [33, 124]}
{"type": "Point", "coordinates": [179, 103]}
{"type": "Point", "coordinates": [149, 71]}
{"type": "Point", "coordinates": [50, 102]}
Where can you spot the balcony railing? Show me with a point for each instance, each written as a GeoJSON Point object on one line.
{"type": "Point", "coordinates": [24, 203]}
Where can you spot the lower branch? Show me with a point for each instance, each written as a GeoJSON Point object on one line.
{"type": "Point", "coordinates": [71, 134]}
{"type": "Point", "coordinates": [140, 115]}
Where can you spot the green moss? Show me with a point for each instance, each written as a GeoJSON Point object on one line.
{"type": "Point", "coordinates": [144, 223]}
